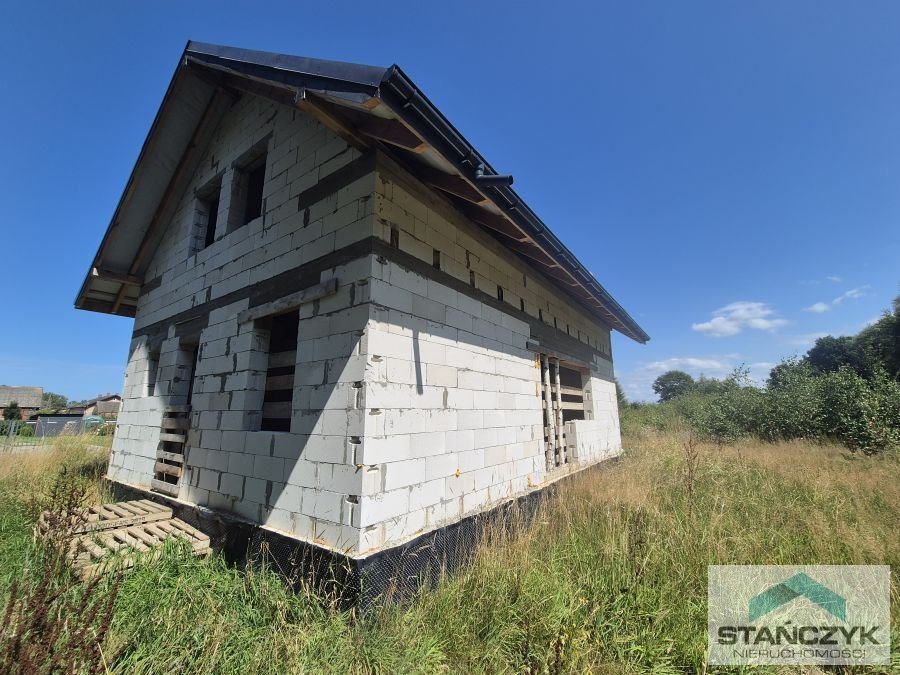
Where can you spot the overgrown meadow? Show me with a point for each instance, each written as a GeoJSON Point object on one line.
{"type": "Point", "coordinates": [611, 578]}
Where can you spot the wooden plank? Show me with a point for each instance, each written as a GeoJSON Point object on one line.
{"type": "Point", "coordinates": [277, 410]}
{"type": "Point", "coordinates": [174, 423]}
{"type": "Point", "coordinates": [198, 535]}
{"type": "Point", "coordinates": [139, 533]}
{"type": "Point", "coordinates": [566, 405]}
{"type": "Point", "coordinates": [119, 297]}
{"type": "Point", "coordinates": [168, 469]}
{"type": "Point", "coordinates": [549, 419]}
{"type": "Point", "coordinates": [107, 513]}
{"type": "Point", "coordinates": [560, 443]}
{"type": "Point", "coordinates": [314, 107]}
{"type": "Point", "coordinates": [171, 456]}
{"type": "Point", "coordinates": [283, 359]}
{"type": "Point", "coordinates": [165, 488]}
{"type": "Point", "coordinates": [278, 382]}
{"type": "Point", "coordinates": [151, 506]}
{"type": "Point", "coordinates": [118, 510]}
{"type": "Point", "coordinates": [289, 302]}
{"type": "Point", "coordinates": [177, 409]}
{"type": "Point", "coordinates": [109, 540]}
{"type": "Point", "coordinates": [120, 277]}
{"type": "Point", "coordinates": [133, 508]}
{"type": "Point", "coordinates": [451, 183]}
{"type": "Point", "coordinates": [156, 531]}
{"type": "Point", "coordinates": [111, 516]}
{"type": "Point", "coordinates": [96, 552]}
{"type": "Point", "coordinates": [173, 438]}
{"type": "Point", "coordinates": [128, 539]}
{"type": "Point", "coordinates": [164, 525]}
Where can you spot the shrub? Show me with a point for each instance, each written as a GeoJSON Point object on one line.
{"type": "Point", "coordinates": [726, 417]}
{"type": "Point", "coordinates": [26, 431]}
{"type": "Point", "coordinates": [793, 403]}
{"type": "Point", "coordinates": [860, 415]}
{"type": "Point", "coordinates": [106, 430]}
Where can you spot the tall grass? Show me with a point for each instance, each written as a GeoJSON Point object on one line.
{"type": "Point", "coordinates": [610, 578]}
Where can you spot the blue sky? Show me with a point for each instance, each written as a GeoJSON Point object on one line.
{"type": "Point", "coordinates": [729, 171]}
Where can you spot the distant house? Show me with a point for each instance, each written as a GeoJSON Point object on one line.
{"type": "Point", "coordinates": [27, 398]}
{"type": "Point", "coordinates": [105, 406]}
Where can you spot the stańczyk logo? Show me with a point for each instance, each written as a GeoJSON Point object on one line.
{"type": "Point", "coordinates": [809, 615]}
{"type": "Point", "coordinates": [798, 585]}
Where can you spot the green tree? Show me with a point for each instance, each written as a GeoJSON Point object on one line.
{"type": "Point", "coordinates": [830, 354]}
{"type": "Point", "coordinates": [672, 384]}
{"type": "Point", "coordinates": [879, 344]}
{"type": "Point", "coordinates": [620, 395]}
{"type": "Point", "coordinates": [709, 385]}
{"type": "Point", "coordinates": [53, 401]}
{"type": "Point", "coordinates": [12, 411]}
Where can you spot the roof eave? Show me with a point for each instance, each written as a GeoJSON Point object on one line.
{"type": "Point", "coordinates": [411, 105]}
{"type": "Point", "coordinates": [415, 110]}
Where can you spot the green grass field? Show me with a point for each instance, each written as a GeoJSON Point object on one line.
{"type": "Point", "coordinates": [611, 578]}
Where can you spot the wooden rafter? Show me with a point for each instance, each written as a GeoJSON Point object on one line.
{"type": "Point", "coordinates": [119, 277]}
{"type": "Point", "coordinates": [451, 184]}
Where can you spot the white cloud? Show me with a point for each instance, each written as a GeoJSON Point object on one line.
{"type": "Point", "coordinates": [833, 278]}
{"type": "Point", "coordinates": [638, 383]}
{"type": "Point", "coordinates": [852, 294]}
{"type": "Point", "coordinates": [735, 317]}
{"type": "Point", "coordinates": [804, 341]}
{"type": "Point", "coordinates": [688, 363]}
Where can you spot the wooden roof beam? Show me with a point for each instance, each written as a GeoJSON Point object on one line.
{"type": "Point", "coordinates": [359, 123]}
{"type": "Point", "coordinates": [451, 184]}
{"type": "Point", "coordinates": [119, 277]}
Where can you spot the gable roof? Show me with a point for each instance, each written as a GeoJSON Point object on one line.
{"type": "Point", "coordinates": [26, 397]}
{"type": "Point", "coordinates": [369, 105]}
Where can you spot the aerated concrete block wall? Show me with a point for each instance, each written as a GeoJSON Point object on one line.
{"type": "Point", "coordinates": [416, 400]}
{"type": "Point", "coordinates": [454, 417]}
{"type": "Point", "coordinates": [296, 482]}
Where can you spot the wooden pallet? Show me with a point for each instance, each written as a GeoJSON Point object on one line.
{"type": "Point", "coordinates": [108, 516]}
{"type": "Point", "coordinates": [94, 553]}
{"type": "Point", "coordinates": [170, 452]}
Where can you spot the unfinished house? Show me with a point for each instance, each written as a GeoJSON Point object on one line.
{"type": "Point", "coordinates": [350, 333]}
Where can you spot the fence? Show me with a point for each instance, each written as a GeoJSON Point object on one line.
{"type": "Point", "coordinates": [16, 433]}
{"type": "Point", "coordinates": [21, 435]}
